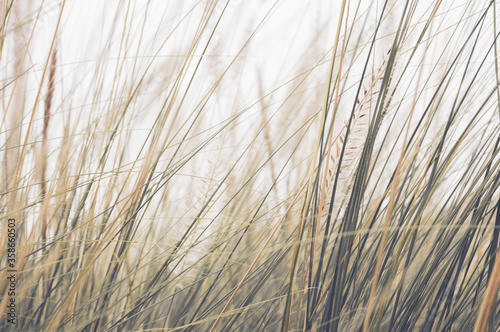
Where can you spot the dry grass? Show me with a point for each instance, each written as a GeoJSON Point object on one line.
{"type": "Point", "coordinates": [227, 166]}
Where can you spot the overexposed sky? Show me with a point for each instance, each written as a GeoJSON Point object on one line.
{"type": "Point", "coordinates": [278, 49]}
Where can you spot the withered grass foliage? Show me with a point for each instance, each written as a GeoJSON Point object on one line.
{"type": "Point", "coordinates": [224, 166]}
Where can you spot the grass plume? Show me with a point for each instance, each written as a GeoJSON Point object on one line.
{"type": "Point", "coordinates": [227, 166]}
